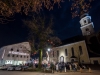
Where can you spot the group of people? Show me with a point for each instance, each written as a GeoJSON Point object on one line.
{"type": "Point", "coordinates": [61, 66]}
{"type": "Point", "coordinates": [66, 66]}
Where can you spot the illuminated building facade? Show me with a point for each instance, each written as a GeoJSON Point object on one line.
{"type": "Point", "coordinates": [73, 52]}
{"type": "Point", "coordinates": [15, 54]}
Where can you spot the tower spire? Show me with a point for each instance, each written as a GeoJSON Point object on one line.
{"type": "Point", "coordinates": [87, 26]}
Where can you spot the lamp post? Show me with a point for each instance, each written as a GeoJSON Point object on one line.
{"type": "Point", "coordinates": [47, 52]}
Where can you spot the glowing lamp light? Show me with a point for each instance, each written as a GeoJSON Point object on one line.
{"type": "Point", "coordinates": [48, 49]}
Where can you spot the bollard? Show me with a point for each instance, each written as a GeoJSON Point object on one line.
{"type": "Point", "coordinates": [65, 69]}
{"type": "Point", "coordinates": [81, 70]}
{"type": "Point", "coordinates": [90, 70]}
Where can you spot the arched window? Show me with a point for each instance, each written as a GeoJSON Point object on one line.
{"type": "Point", "coordinates": [57, 52]}
{"type": "Point", "coordinates": [66, 52]}
{"type": "Point", "coordinates": [80, 50]}
{"type": "Point", "coordinates": [53, 53]}
{"type": "Point", "coordinates": [72, 51]}
{"type": "Point", "coordinates": [84, 21]}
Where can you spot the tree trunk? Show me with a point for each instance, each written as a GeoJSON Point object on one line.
{"type": "Point", "coordinates": [40, 59]}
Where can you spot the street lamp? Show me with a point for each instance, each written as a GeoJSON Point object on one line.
{"type": "Point", "coordinates": [47, 52]}
{"type": "Point", "coordinates": [48, 49]}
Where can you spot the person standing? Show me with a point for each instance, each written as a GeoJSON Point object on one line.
{"type": "Point", "coordinates": [75, 67]}
{"type": "Point", "coordinates": [52, 67]}
{"type": "Point", "coordinates": [70, 67]}
{"type": "Point", "coordinates": [57, 67]}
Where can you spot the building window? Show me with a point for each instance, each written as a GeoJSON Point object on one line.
{"type": "Point", "coordinates": [17, 56]}
{"type": "Point", "coordinates": [57, 53]}
{"type": "Point", "coordinates": [13, 55]}
{"type": "Point", "coordinates": [84, 21]}
{"type": "Point", "coordinates": [66, 52]}
{"type": "Point", "coordinates": [72, 51]}
{"type": "Point", "coordinates": [53, 53]}
{"type": "Point", "coordinates": [21, 56]}
{"type": "Point", "coordinates": [87, 29]}
{"type": "Point", "coordinates": [17, 50]}
{"type": "Point", "coordinates": [24, 56]}
{"type": "Point", "coordinates": [80, 50]}
{"type": "Point", "coordinates": [27, 56]}
{"type": "Point", "coordinates": [8, 55]}
{"type": "Point", "coordinates": [72, 60]}
{"type": "Point", "coordinates": [82, 61]}
{"type": "Point", "coordinates": [11, 49]}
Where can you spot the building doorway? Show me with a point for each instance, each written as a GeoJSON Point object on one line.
{"type": "Point", "coordinates": [96, 62]}
{"type": "Point", "coordinates": [62, 59]}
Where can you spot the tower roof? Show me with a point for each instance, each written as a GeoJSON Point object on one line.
{"type": "Point", "coordinates": [86, 14]}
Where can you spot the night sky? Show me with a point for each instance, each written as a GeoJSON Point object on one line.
{"type": "Point", "coordinates": [64, 26]}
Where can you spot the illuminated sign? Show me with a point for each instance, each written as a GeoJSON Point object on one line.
{"type": "Point", "coordinates": [18, 53]}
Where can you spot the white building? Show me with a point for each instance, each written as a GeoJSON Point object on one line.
{"type": "Point", "coordinates": [15, 54]}
{"type": "Point", "coordinates": [86, 25]}
{"type": "Point", "coordinates": [71, 52]}
{"type": "Point", "coordinates": [79, 50]}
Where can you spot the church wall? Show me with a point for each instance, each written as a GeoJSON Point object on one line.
{"type": "Point", "coordinates": [95, 60]}
{"type": "Point", "coordinates": [83, 58]}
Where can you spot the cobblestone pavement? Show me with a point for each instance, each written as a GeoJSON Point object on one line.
{"type": "Point", "coordinates": [95, 72]}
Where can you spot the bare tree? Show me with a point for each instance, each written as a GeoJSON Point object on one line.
{"type": "Point", "coordinates": [41, 34]}
{"type": "Point", "coordinates": [9, 7]}
{"type": "Point", "coordinates": [79, 7]}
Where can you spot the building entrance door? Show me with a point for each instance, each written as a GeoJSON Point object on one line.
{"type": "Point", "coordinates": [62, 59]}
{"type": "Point", "coordinates": [95, 62]}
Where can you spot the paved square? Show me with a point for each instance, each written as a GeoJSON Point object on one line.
{"type": "Point", "coordinates": [95, 72]}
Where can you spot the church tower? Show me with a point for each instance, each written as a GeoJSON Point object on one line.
{"type": "Point", "coordinates": [86, 25]}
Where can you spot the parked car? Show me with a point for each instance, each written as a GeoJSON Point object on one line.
{"type": "Point", "coordinates": [1, 67]}
{"type": "Point", "coordinates": [11, 68]}
{"type": "Point", "coordinates": [25, 67]}
{"type": "Point", "coordinates": [18, 68]}
{"type": "Point", "coordinates": [4, 67]}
